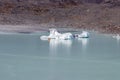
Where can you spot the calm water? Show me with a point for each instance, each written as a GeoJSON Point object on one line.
{"type": "Point", "coordinates": [26, 57]}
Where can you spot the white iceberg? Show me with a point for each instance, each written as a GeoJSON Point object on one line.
{"type": "Point", "coordinates": [117, 37]}
{"type": "Point", "coordinates": [84, 34]}
{"type": "Point", "coordinates": [54, 34]}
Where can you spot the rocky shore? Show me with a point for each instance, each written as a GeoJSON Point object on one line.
{"type": "Point", "coordinates": [34, 15]}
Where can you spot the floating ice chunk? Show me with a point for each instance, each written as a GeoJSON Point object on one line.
{"type": "Point", "coordinates": [84, 34]}
{"type": "Point", "coordinates": [44, 37]}
{"type": "Point", "coordinates": [54, 34]}
{"type": "Point", "coordinates": [117, 37]}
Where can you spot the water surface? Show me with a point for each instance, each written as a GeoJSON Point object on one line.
{"type": "Point", "coordinates": [26, 57]}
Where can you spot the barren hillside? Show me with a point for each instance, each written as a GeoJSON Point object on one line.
{"type": "Point", "coordinates": [102, 15]}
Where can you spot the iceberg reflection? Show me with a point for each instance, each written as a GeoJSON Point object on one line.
{"type": "Point", "coordinates": [64, 45]}
{"type": "Point", "coordinates": [84, 42]}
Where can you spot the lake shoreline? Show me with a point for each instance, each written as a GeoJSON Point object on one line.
{"type": "Point", "coordinates": [45, 27]}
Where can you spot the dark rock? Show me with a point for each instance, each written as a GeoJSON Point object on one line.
{"type": "Point", "coordinates": [112, 3]}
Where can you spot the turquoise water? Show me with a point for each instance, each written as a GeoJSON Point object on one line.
{"type": "Point", "coordinates": [26, 57]}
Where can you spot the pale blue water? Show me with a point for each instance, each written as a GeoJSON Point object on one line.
{"type": "Point", "coordinates": [26, 57]}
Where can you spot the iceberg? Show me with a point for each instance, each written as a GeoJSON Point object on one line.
{"type": "Point", "coordinates": [84, 34]}
{"type": "Point", "coordinates": [117, 37]}
{"type": "Point", "coordinates": [54, 34]}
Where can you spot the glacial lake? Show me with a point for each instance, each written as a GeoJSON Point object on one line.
{"type": "Point", "coordinates": [26, 57]}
